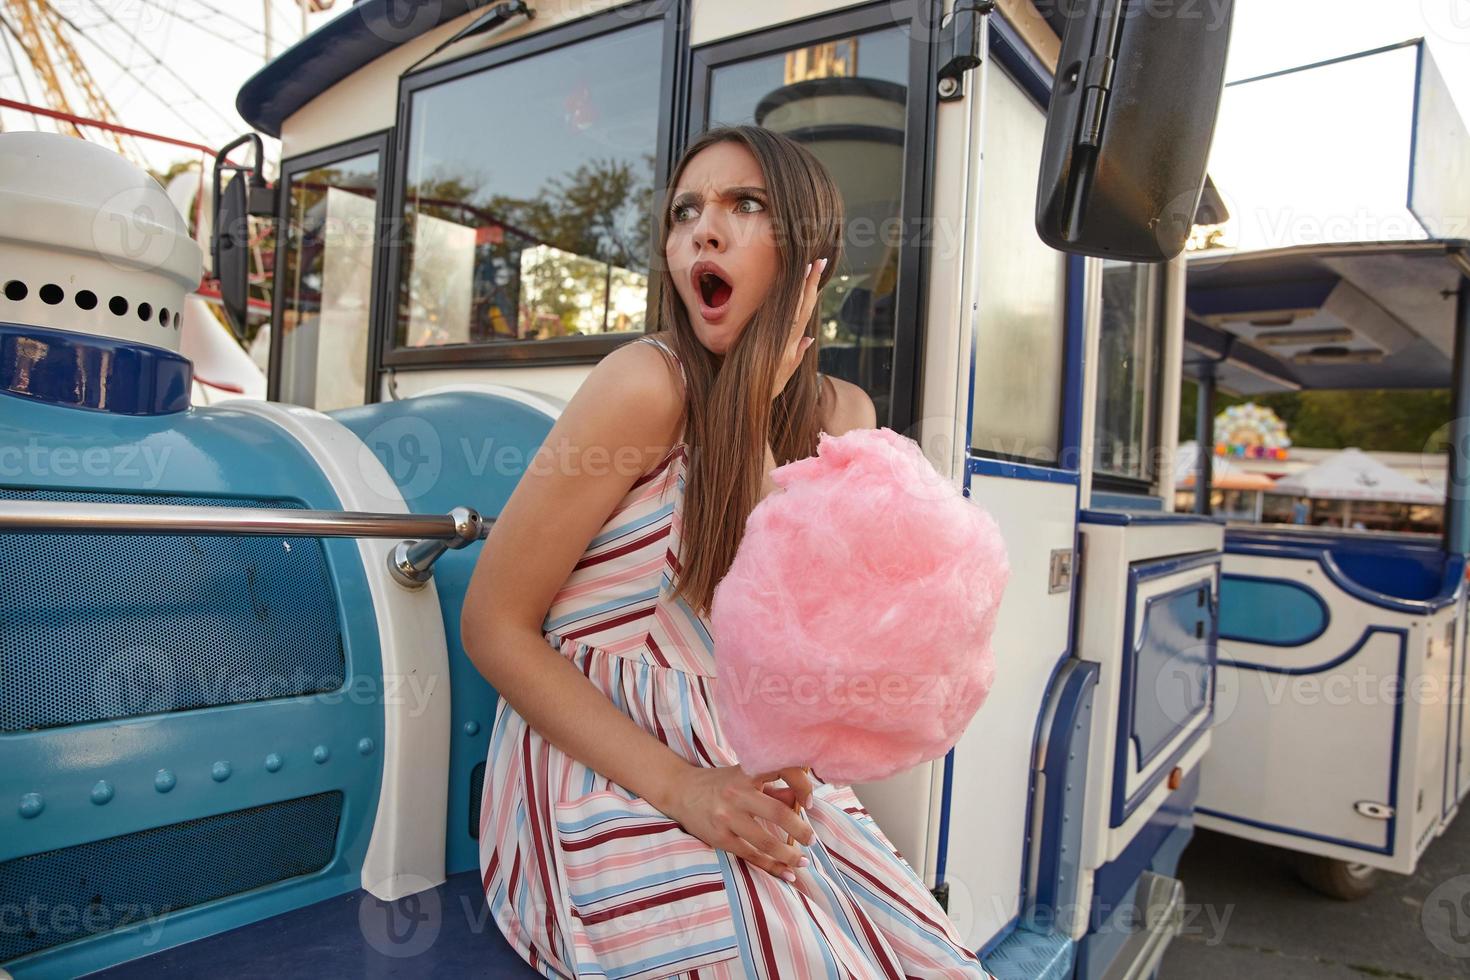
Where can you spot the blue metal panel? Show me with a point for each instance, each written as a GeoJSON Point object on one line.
{"type": "Point", "coordinates": [1156, 848]}
{"type": "Point", "coordinates": [985, 466]}
{"type": "Point", "coordinates": [187, 621]}
{"type": "Point", "coordinates": [1150, 714]}
{"type": "Point", "coordinates": [1059, 850]}
{"type": "Point", "coordinates": [1152, 844]}
{"type": "Point", "coordinates": [110, 778]}
{"type": "Point", "coordinates": [1117, 518]}
{"type": "Point", "coordinates": [1007, 48]}
{"type": "Point", "coordinates": [460, 449]}
{"type": "Point", "coordinates": [946, 798]}
{"type": "Point", "coordinates": [1170, 644]}
{"type": "Point", "coordinates": [1298, 294]}
{"type": "Point", "coordinates": [1396, 748]}
{"type": "Point", "coordinates": [1460, 703]}
{"type": "Point", "coordinates": [1404, 576]}
{"type": "Point", "coordinates": [61, 367]}
{"type": "Point", "coordinates": [1028, 955]}
{"type": "Point", "coordinates": [132, 878]}
{"type": "Point", "coordinates": [1129, 502]}
{"type": "Point", "coordinates": [1270, 611]}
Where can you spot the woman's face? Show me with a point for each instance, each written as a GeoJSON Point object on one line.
{"type": "Point", "coordinates": [721, 247]}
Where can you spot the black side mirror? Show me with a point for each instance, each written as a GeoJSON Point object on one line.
{"type": "Point", "coordinates": [1129, 127]}
{"type": "Point", "coordinates": [245, 195]}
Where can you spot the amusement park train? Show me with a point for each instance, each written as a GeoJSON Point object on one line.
{"type": "Point", "coordinates": [237, 722]}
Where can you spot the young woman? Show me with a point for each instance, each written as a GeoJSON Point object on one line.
{"type": "Point", "coordinates": [619, 837]}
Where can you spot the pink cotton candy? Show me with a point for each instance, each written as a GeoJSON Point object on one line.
{"type": "Point", "coordinates": [852, 632]}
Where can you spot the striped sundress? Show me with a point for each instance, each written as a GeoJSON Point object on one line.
{"type": "Point", "coordinates": [585, 879]}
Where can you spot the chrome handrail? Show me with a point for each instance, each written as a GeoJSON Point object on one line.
{"type": "Point", "coordinates": [426, 536]}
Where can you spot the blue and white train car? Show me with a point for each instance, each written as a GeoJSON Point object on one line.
{"type": "Point", "coordinates": [1339, 729]}
{"type": "Point", "coordinates": [1340, 732]}
{"type": "Point", "coordinates": [237, 724]}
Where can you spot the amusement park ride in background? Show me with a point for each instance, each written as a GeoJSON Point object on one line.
{"type": "Point", "coordinates": [45, 78]}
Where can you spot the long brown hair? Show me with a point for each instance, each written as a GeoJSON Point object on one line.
{"type": "Point", "coordinates": [728, 405]}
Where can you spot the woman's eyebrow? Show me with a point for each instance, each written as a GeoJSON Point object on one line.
{"type": "Point", "coordinates": [730, 192]}
{"type": "Point", "coordinates": [686, 198]}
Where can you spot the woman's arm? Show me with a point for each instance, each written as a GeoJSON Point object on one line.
{"type": "Point", "coordinates": [619, 424]}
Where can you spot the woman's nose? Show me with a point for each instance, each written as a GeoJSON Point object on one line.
{"type": "Point", "coordinates": [710, 231]}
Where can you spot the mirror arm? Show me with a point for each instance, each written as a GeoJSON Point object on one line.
{"type": "Point", "coordinates": [1099, 85]}
{"type": "Point", "coordinates": [1097, 76]}
{"type": "Point", "coordinates": [259, 201]}
{"type": "Point", "coordinates": [959, 45]}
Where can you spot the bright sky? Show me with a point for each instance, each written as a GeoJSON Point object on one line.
{"type": "Point", "coordinates": [1324, 155]}
{"type": "Point", "coordinates": [1316, 157]}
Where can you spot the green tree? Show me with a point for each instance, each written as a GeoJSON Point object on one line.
{"type": "Point", "coordinates": [1371, 419]}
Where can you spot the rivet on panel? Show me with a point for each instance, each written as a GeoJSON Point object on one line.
{"type": "Point", "coordinates": [101, 792]}
{"type": "Point", "coordinates": [273, 763]}
{"type": "Point", "coordinates": [365, 746]}
{"type": "Point", "coordinates": [472, 728]}
{"type": "Point", "coordinates": [220, 771]}
{"type": "Point", "coordinates": [164, 780]}
{"type": "Point", "coordinates": [321, 753]}
{"type": "Point", "coordinates": [31, 805]}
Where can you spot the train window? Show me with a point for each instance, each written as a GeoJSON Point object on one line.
{"type": "Point", "coordinates": [1020, 323]}
{"type": "Point", "coordinates": [325, 281]}
{"type": "Point", "coordinates": [527, 190]}
{"type": "Point", "coordinates": [845, 100]}
{"type": "Point", "coordinates": [1127, 370]}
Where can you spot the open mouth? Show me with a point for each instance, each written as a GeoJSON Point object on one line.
{"type": "Point", "coordinates": [714, 290]}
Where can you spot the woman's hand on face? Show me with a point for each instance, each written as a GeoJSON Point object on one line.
{"type": "Point", "coordinates": [720, 805]}
{"type": "Point", "coordinates": [796, 344]}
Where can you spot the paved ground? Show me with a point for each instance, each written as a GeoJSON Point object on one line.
{"type": "Point", "coordinates": [1249, 916]}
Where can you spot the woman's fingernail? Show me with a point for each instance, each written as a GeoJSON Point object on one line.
{"type": "Point", "coordinates": [789, 876]}
{"type": "Point", "coordinates": [822, 263]}
{"type": "Point", "coordinates": [808, 270]}
{"type": "Point", "coordinates": [803, 862]}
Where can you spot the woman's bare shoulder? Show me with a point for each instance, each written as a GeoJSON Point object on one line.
{"type": "Point", "coordinates": [634, 392]}
{"type": "Point", "coordinates": [850, 407]}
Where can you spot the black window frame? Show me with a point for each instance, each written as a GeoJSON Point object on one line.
{"type": "Point", "coordinates": [388, 357]}
{"type": "Point", "coordinates": [379, 143]}
{"type": "Point", "coordinates": [1146, 485]}
{"type": "Point", "coordinates": [915, 208]}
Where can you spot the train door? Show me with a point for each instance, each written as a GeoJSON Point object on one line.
{"type": "Point", "coordinates": [1019, 413]}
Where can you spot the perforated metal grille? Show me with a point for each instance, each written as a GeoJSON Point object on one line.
{"type": "Point", "coordinates": [114, 626]}
{"type": "Point", "coordinates": [477, 786]}
{"type": "Point", "coordinates": [67, 894]}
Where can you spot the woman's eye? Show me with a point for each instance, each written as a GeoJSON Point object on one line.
{"type": "Point", "coordinates": [682, 213]}
{"type": "Point", "coordinates": [754, 205]}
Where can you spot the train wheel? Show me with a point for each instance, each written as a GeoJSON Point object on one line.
{"type": "Point", "coordinates": [1346, 881]}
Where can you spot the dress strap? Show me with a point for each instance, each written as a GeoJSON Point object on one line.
{"type": "Point", "coordinates": [670, 351]}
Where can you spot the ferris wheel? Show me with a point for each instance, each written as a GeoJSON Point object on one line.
{"type": "Point", "coordinates": [94, 61]}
